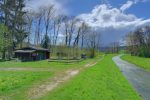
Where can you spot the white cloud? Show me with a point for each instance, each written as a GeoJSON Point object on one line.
{"type": "Point", "coordinates": [36, 4]}
{"type": "Point", "coordinates": [126, 6]}
{"type": "Point", "coordinates": [136, 1]}
{"type": "Point", "coordinates": [112, 22]}
{"type": "Point", "coordinates": [105, 17]}
{"type": "Point", "coordinates": [130, 3]}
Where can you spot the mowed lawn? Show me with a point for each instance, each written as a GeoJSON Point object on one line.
{"type": "Point", "coordinates": [41, 64]}
{"type": "Point", "coordinates": [14, 83]}
{"type": "Point", "coordinates": [104, 81]}
{"type": "Point", "coordinates": [139, 61]}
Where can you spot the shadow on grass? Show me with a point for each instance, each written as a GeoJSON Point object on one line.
{"type": "Point", "coordinates": [3, 60]}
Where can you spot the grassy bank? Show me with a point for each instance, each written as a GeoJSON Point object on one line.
{"type": "Point", "coordinates": [16, 82]}
{"type": "Point", "coordinates": [103, 81]}
{"type": "Point", "coordinates": [139, 61]}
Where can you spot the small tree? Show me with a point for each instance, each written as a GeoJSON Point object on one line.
{"type": "Point", "coordinates": [5, 40]}
{"type": "Point", "coordinates": [45, 42]}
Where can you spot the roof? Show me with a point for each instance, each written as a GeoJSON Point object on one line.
{"type": "Point", "coordinates": [25, 51]}
{"type": "Point", "coordinates": [34, 48]}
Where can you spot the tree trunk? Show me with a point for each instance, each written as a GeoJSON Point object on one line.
{"type": "Point", "coordinates": [3, 54]}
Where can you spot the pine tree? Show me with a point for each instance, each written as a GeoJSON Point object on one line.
{"type": "Point", "coordinates": [14, 18]}
{"type": "Point", "coordinates": [45, 42]}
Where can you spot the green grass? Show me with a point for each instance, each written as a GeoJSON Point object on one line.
{"type": "Point", "coordinates": [104, 81]}
{"type": "Point", "coordinates": [17, 81]}
{"type": "Point", "coordinates": [41, 64]}
{"type": "Point", "coordinates": [139, 61]}
{"type": "Point", "coordinates": [15, 84]}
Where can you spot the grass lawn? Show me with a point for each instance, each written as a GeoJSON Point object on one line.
{"type": "Point", "coordinates": [104, 81]}
{"type": "Point", "coordinates": [16, 82]}
{"type": "Point", "coordinates": [41, 64]}
{"type": "Point", "coordinates": [139, 61]}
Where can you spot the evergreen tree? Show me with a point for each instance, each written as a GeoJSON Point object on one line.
{"type": "Point", "coordinates": [45, 42]}
{"type": "Point", "coordinates": [14, 18]}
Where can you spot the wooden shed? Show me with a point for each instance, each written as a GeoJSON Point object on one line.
{"type": "Point", "coordinates": [32, 54]}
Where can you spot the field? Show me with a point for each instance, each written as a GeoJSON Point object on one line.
{"type": "Point", "coordinates": [15, 83]}
{"type": "Point", "coordinates": [139, 61]}
{"type": "Point", "coordinates": [103, 81]}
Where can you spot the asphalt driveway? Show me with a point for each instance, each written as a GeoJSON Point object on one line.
{"type": "Point", "coordinates": [138, 77]}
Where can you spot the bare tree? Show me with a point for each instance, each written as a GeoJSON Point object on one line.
{"type": "Point", "coordinates": [115, 47]}
{"type": "Point", "coordinates": [85, 29]}
{"type": "Point", "coordinates": [30, 18]}
{"type": "Point", "coordinates": [92, 40]}
{"type": "Point", "coordinates": [70, 26]}
{"type": "Point", "coordinates": [56, 27]}
{"type": "Point", "coordinates": [76, 41]}
{"type": "Point", "coordinates": [81, 31]}
{"type": "Point", "coordinates": [147, 37]}
{"type": "Point", "coordinates": [139, 42]}
{"type": "Point", "coordinates": [38, 26]}
{"type": "Point", "coordinates": [48, 15]}
{"type": "Point", "coordinates": [66, 26]}
{"type": "Point", "coordinates": [131, 45]}
{"type": "Point", "coordinates": [71, 30]}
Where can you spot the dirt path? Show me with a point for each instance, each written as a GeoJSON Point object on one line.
{"type": "Point", "coordinates": [48, 86]}
{"type": "Point", "coordinates": [138, 77]}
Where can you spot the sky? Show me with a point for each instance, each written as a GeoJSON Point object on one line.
{"type": "Point", "coordinates": [112, 18]}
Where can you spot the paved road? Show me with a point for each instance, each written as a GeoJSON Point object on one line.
{"type": "Point", "coordinates": [138, 77]}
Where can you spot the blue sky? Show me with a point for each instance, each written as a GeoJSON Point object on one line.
{"type": "Point", "coordinates": [133, 14]}
{"type": "Point", "coordinates": [113, 19]}
{"type": "Point", "coordinates": [76, 7]}
{"type": "Point", "coordinates": [141, 10]}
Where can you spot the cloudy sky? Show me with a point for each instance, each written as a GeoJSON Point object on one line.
{"type": "Point", "coordinates": [112, 18]}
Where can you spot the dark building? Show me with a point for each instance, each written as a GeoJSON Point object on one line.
{"type": "Point", "coordinates": [32, 54]}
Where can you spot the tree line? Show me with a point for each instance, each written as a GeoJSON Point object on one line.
{"type": "Point", "coordinates": [45, 28]}
{"type": "Point", "coordinates": [138, 42]}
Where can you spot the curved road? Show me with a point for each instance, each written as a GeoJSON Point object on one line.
{"type": "Point", "coordinates": [138, 77]}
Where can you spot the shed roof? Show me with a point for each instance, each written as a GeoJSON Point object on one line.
{"type": "Point", "coordinates": [25, 51]}
{"type": "Point", "coordinates": [34, 48]}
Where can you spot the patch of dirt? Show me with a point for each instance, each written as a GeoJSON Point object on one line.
{"type": "Point", "coordinates": [39, 91]}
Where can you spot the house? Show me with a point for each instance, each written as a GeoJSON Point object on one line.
{"type": "Point", "coordinates": [32, 54]}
